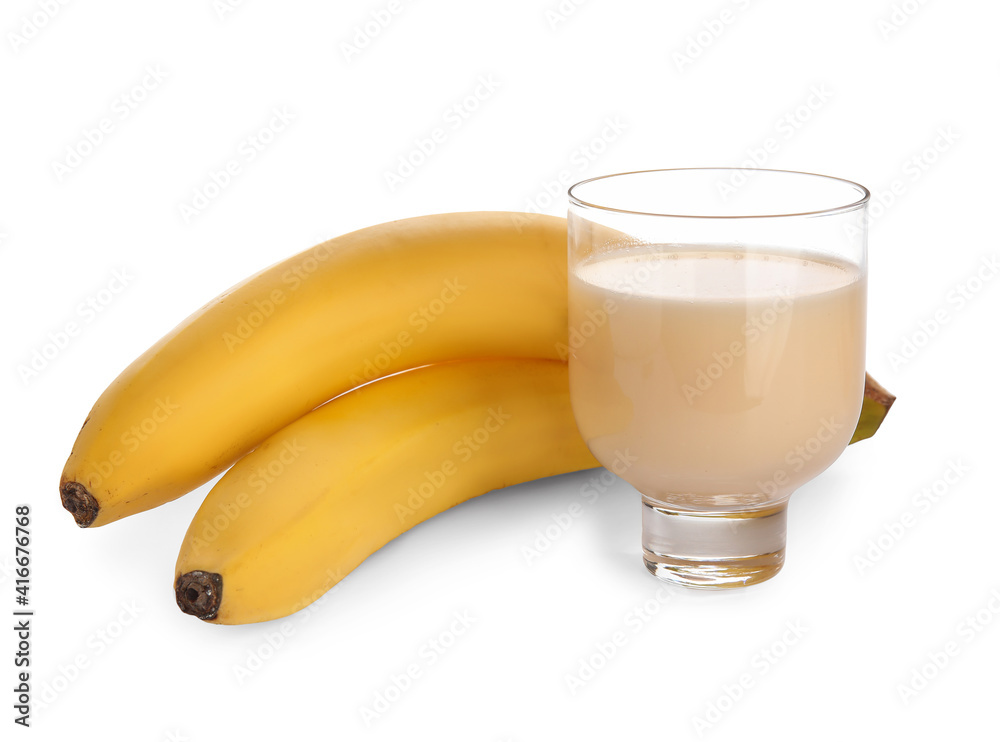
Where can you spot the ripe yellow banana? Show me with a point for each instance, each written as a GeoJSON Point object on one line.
{"type": "Point", "coordinates": [370, 303]}
{"type": "Point", "coordinates": [313, 501]}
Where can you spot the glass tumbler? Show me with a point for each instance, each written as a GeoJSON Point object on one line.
{"type": "Point", "coordinates": [716, 351]}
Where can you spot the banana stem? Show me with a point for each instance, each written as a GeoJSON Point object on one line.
{"type": "Point", "coordinates": [874, 409]}
{"type": "Point", "coordinates": [199, 594]}
{"type": "Point", "coordinates": [79, 502]}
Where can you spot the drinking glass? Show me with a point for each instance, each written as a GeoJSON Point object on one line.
{"type": "Point", "coordinates": [716, 351]}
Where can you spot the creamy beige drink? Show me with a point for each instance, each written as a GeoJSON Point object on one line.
{"type": "Point", "coordinates": [720, 376]}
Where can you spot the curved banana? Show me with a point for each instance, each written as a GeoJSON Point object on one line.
{"type": "Point", "coordinates": [269, 350]}
{"type": "Point", "coordinates": [293, 517]}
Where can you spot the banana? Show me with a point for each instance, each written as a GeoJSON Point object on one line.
{"type": "Point", "coordinates": [313, 501]}
{"type": "Point", "coordinates": [873, 410]}
{"type": "Point", "coordinates": [269, 350]}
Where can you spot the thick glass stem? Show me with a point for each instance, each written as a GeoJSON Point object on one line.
{"type": "Point", "coordinates": [713, 549]}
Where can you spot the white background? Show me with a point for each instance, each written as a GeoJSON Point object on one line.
{"type": "Point", "coordinates": [889, 91]}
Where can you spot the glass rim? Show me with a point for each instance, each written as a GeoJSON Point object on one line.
{"type": "Point", "coordinates": [859, 203]}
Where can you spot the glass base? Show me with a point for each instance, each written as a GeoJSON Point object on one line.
{"type": "Point", "coordinates": [713, 549]}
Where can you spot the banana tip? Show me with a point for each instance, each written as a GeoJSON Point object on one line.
{"type": "Point", "coordinates": [79, 502]}
{"type": "Point", "coordinates": [199, 594]}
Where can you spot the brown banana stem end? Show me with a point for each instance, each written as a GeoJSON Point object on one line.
{"type": "Point", "coordinates": [79, 502]}
{"type": "Point", "coordinates": [199, 594]}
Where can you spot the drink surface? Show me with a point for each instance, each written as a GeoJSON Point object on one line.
{"type": "Point", "coordinates": [716, 377]}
